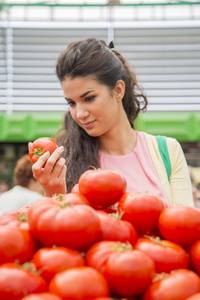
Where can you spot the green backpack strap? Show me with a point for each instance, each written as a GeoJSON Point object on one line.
{"type": "Point", "coordinates": [162, 147]}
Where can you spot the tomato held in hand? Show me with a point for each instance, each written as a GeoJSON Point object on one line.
{"type": "Point", "coordinates": [40, 146]}
{"type": "Point", "coordinates": [102, 187]}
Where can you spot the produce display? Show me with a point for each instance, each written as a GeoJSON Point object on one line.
{"type": "Point", "coordinates": [99, 242]}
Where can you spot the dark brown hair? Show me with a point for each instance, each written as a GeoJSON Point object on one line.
{"type": "Point", "coordinates": [23, 171]}
{"type": "Point", "coordinates": [92, 57]}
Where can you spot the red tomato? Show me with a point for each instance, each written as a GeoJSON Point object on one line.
{"type": "Point", "coordinates": [141, 210]}
{"type": "Point", "coordinates": [178, 285]}
{"type": "Point", "coordinates": [180, 224]}
{"type": "Point", "coordinates": [24, 209]}
{"type": "Point", "coordinates": [72, 198]}
{"type": "Point", "coordinates": [40, 146]}
{"type": "Point", "coordinates": [194, 297]}
{"type": "Point", "coordinates": [167, 255]}
{"type": "Point", "coordinates": [115, 297]}
{"type": "Point", "coordinates": [114, 229]}
{"type": "Point", "coordinates": [97, 255]}
{"type": "Point", "coordinates": [42, 296]}
{"type": "Point", "coordinates": [102, 187]}
{"type": "Point", "coordinates": [194, 254]}
{"type": "Point", "coordinates": [129, 272]}
{"type": "Point", "coordinates": [104, 298]}
{"type": "Point", "coordinates": [113, 209]}
{"type": "Point", "coordinates": [59, 223]}
{"type": "Point", "coordinates": [16, 282]}
{"type": "Point", "coordinates": [122, 298]}
{"type": "Point", "coordinates": [75, 189]}
{"type": "Point", "coordinates": [83, 283]}
{"type": "Point", "coordinates": [15, 219]}
{"type": "Point", "coordinates": [15, 244]}
{"type": "Point", "coordinates": [56, 259]}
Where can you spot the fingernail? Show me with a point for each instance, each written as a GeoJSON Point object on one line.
{"type": "Point", "coordinates": [46, 154]}
{"type": "Point", "coordinates": [61, 148]}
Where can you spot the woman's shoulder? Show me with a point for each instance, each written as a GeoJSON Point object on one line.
{"type": "Point", "coordinates": [150, 137]}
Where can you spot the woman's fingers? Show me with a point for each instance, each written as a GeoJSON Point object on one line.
{"type": "Point", "coordinates": [47, 163]}
{"type": "Point", "coordinates": [52, 161]}
{"type": "Point", "coordinates": [50, 171]}
{"type": "Point", "coordinates": [37, 167]}
{"type": "Point", "coordinates": [58, 167]}
{"type": "Point", "coordinates": [29, 145]}
{"type": "Point", "coordinates": [62, 174]}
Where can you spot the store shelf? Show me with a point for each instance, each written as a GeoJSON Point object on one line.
{"type": "Point", "coordinates": [25, 127]}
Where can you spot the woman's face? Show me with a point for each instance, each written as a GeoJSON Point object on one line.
{"type": "Point", "coordinates": [93, 106]}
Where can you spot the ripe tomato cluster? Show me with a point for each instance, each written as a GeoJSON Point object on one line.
{"type": "Point", "coordinates": [99, 242]}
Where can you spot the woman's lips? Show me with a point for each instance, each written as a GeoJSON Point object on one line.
{"type": "Point", "coordinates": [88, 124]}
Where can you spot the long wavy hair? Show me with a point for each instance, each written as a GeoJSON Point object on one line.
{"type": "Point", "coordinates": [93, 57]}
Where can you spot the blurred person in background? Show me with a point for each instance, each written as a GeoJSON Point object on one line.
{"type": "Point", "coordinates": [194, 187]}
{"type": "Point", "coordinates": [3, 187]}
{"type": "Point", "coordinates": [26, 188]}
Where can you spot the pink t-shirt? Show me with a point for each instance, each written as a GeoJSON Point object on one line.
{"type": "Point", "coordinates": [137, 168]}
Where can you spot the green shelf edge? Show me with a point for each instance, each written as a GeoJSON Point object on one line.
{"type": "Point", "coordinates": [25, 127]}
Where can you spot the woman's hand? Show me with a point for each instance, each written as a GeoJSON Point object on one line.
{"type": "Point", "coordinates": [50, 172]}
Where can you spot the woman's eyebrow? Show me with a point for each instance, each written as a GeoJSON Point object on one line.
{"type": "Point", "coordinates": [83, 95]}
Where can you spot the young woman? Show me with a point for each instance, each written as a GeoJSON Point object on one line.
{"type": "Point", "coordinates": [104, 100]}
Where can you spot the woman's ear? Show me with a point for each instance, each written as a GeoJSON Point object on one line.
{"type": "Point", "coordinates": [119, 90]}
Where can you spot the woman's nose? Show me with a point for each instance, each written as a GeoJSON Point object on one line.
{"type": "Point", "coordinates": [81, 112]}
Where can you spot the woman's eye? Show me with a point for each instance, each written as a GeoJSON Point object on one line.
{"type": "Point", "coordinates": [70, 103]}
{"type": "Point", "coordinates": [90, 98]}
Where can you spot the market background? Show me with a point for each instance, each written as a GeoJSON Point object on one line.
{"type": "Point", "coordinates": [161, 39]}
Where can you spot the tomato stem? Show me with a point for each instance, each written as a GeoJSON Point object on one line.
{"type": "Point", "coordinates": [118, 215]}
{"type": "Point", "coordinates": [65, 204]}
{"type": "Point", "coordinates": [160, 276]}
{"type": "Point", "coordinates": [59, 197]}
{"type": "Point", "coordinates": [37, 152]}
{"type": "Point", "coordinates": [155, 239]}
{"type": "Point", "coordinates": [121, 247]}
{"type": "Point", "coordinates": [94, 168]}
{"type": "Point", "coordinates": [22, 217]}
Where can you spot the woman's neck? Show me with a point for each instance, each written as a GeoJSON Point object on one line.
{"type": "Point", "coordinates": [121, 142]}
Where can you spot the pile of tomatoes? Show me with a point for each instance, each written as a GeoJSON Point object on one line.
{"type": "Point", "coordinates": [99, 242]}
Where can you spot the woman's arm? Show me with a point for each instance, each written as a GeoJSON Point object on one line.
{"type": "Point", "coordinates": [179, 190]}
{"type": "Point", "coordinates": [180, 183]}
